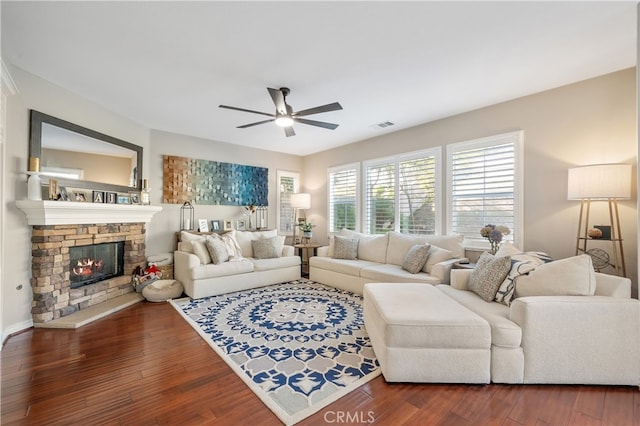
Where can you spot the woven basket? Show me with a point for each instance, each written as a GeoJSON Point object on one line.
{"type": "Point", "coordinates": [167, 271]}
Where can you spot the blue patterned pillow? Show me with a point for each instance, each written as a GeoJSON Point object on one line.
{"type": "Point", "coordinates": [521, 264]}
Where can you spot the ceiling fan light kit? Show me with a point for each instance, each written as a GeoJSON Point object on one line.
{"type": "Point", "coordinates": [284, 115]}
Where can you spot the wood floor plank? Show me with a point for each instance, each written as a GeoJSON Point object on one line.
{"type": "Point", "coordinates": [145, 365]}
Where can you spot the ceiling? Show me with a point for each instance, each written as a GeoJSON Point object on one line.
{"type": "Point", "coordinates": [168, 65]}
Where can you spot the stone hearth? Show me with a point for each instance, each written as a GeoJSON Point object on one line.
{"type": "Point", "coordinates": [52, 294]}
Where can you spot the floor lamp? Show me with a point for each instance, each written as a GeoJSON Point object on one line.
{"type": "Point", "coordinates": [299, 201]}
{"type": "Point", "coordinates": [601, 182]}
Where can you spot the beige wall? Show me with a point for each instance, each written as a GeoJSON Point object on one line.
{"type": "Point", "coordinates": [164, 224]}
{"type": "Point", "coordinates": [35, 93]}
{"type": "Point", "coordinates": [589, 122]}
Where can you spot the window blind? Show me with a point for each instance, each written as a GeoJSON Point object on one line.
{"type": "Point", "coordinates": [343, 198]}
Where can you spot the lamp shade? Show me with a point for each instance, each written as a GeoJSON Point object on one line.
{"type": "Point", "coordinates": [301, 200]}
{"type": "Point", "coordinates": [599, 181]}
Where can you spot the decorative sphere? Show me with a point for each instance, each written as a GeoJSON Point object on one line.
{"type": "Point", "coordinates": [599, 257]}
{"type": "Point", "coordinates": [594, 233]}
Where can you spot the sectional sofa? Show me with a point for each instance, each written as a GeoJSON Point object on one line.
{"type": "Point", "coordinates": [565, 325]}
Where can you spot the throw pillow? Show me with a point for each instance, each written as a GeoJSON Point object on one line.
{"type": "Point", "coordinates": [266, 248]}
{"type": "Point", "coordinates": [415, 258]}
{"type": "Point", "coordinates": [186, 239]}
{"type": "Point", "coordinates": [217, 250]}
{"type": "Point", "coordinates": [200, 250]}
{"type": "Point", "coordinates": [233, 249]}
{"type": "Point", "coordinates": [345, 248]}
{"type": "Point", "coordinates": [573, 276]}
{"type": "Point", "coordinates": [521, 264]}
{"type": "Point", "coordinates": [436, 255]}
{"type": "Point", "coordinates": [488, 274]}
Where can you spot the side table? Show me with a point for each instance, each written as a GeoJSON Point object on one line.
{"type": "Point", "coordinates": [303, 252]}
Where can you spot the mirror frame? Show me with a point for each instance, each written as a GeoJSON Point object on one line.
{"type": "Point", "coordinates": [35, 150]}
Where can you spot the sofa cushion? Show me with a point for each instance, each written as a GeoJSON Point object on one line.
{"type": "Point", "coordinates": [573, 276]}
{"type": "Point", "coordinates": [488, 274]}
{"type": "Point", "coordinates": [521, 264]}
{"type": "Point", "coordinates": [267, 248]}
{"type": "Point", "coordinates": [400, 244]}
{"type": "Point", "coordinates": [217, 250]}
{"type": "Point", "coordinates": [453, 243]}
{"type": "Point", "coordinates": [504, 332]}
{"type": "Point", "coordinates": [394, 273]}
{"type": "Point", "coordinates": [416, 258]}
{"type": "Point", "coordinates": [244, 239]}
{"type": "Point", "coordinates": [186, 239]}
{"type": "Point", "coordinates": [370, 247]}
{"type": "Point", "coordinates": [199, 248]}
{"type": "Point", "coordinates": [342, 266]}
{"type": "Point", "coordinates": [345, 248]}
{"type": "Point", "coordinates": [275, 263]}
{"type": "Point", "coordinates": [228, 268]}
{"type": "Point", "coordinates": [436, 255]}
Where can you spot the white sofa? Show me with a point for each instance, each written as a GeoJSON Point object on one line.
{"type": "Point", "coordinates": [201, 278]}
{"type": "Point", "coordinates": [380, 259]}
{"type": "Point", "coordinates": [592, 338]}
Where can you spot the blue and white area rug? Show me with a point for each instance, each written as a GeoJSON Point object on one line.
{"type": "Point", "coordinates": [299, 346]}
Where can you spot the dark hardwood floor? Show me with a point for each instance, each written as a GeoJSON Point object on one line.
{"type": "Point", "coordinates": [145, 365]}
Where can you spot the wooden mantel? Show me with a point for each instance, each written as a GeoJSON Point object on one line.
{"type": "Point", "coordinates": [68, 212]}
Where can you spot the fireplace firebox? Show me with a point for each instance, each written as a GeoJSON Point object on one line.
{"type": "Point", "coordinates": [97, 262]}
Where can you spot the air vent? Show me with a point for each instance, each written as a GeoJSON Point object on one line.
{"type": "Point", "coordinates": [383, 125]}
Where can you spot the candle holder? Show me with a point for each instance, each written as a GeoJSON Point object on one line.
{"type": "Point", "coordinates": [187, 221]}
{"type": "Point", "coordinates": [262, 217]}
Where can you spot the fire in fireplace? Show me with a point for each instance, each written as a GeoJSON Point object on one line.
{"type": "Point", "coordinates": [94, 263]}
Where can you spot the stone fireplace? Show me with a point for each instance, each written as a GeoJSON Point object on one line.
{"type": "Point", "coordinates": [59, 226]}
{"type": "Point", "coordinates": [52, 281]}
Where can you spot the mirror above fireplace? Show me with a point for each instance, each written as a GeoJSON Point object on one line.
{"type": "Point", "coordinates": [79, 157]}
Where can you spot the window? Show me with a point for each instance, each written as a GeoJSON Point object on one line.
{"type": "Point", "coordinates": [343, 197]}
{"type": "Point", "coordinates": [401, 193]}
{"type": "Point", "coordinates": [484, 178]}
{"type": "Point", "coordinates": [288, 183]}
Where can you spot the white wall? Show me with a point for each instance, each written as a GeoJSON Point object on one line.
{"type": "Point", "coordinates": [161, 231]}
{"type": "Point", "coordinates": [589, 122]}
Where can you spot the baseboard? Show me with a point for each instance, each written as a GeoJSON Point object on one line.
{"type": "Point", "coordinates": [16, 328]}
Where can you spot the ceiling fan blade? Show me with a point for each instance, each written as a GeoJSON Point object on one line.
{"type": "Point", "coordinates": [329, 126]}
{"type": "Point", "coordinates": [324, 108]}
{"type": "Point", "coordinates": [255, 124]}
{"type": "Point", "coordinates": [278, 100]}
{"type": "Point", "coordinates": [289, 131]}
{"type": "Point", "coordinates": [245, 110]}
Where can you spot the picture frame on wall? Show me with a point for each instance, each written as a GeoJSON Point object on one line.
{"type": "Point", "coordinates": [241, 225]}
{"type": "Point", "coordinates": [98, 196]}
{"type": "Point", "coordinates": [124, 199]}
{"type": "Point", "coordinates": [203, 225]}
{"type": "Point", "coordinates": [216, 225]}
{"type": "Point", "coordinates": [228, 225]}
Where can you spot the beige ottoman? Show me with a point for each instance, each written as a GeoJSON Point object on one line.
{"type": "Point", "coordinates": [419, 334]}
{"type": "Point", "coordinates": [162, 290]}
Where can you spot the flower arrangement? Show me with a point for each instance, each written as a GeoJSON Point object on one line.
{"type": "Point", "coordinates": [306, 226]}
{"type": "Point", "coordinates": [251, 209]}
{"type": "Point", "coordinates": [494, 234]}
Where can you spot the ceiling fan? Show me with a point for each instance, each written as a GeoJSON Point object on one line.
{"type": "Point", "coordinates": [284, 115]}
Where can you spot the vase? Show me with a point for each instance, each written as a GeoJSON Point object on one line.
{"type": "Point", "coordinates": [307, 234]}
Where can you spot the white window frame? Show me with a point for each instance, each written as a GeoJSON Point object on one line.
{"type": "Point", "coordinates": [279, 202]}
{"type": "Point", "coordinates": [436, 152]}
{"type": "Point", "coordinates": [517, 138]}
{"type": "Point", "coordinates": [337, 169]}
